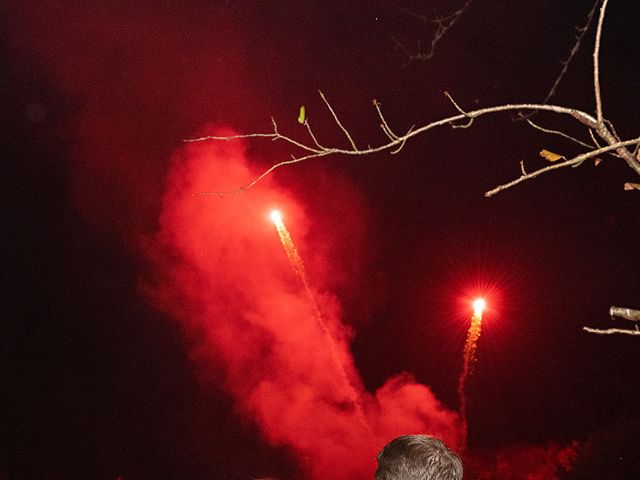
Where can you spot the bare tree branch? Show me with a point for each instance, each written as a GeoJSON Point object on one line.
{"type": "Point", "coordinates": [568, 163]}
{"type": "Point", "coordinates": [598, 124]}
{"type": "Point", "coordinates": [396, 142]}
{"type": "Point", "coordinates": [273, 136]}
{"type": "Point", "coordinates": [442, 25]}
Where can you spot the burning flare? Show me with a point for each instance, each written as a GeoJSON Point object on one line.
{"type": "Point", "coordinates": [276, 217]}
{"type": "Point", "coordinates": [298, 267]}
{"type": "Point", "coordinates": [293, 256]}
{"type": "Point", "coordinates": [478, 307]}
{"type": "Point", "coordinates": [469, 358]}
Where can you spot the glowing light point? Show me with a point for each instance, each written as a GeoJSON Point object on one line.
{"type": "Point", "coordinates": [478, 306]}
{"type": "Point", "coordinates": [276, 217]}
{"type": "Point", "coordinates": [469, 357]}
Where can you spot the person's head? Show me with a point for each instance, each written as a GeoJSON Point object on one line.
{"type": "Point", "coordinates": [417, 457]}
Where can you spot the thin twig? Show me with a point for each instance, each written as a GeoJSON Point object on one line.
{"type": "Point", "coordinates": [384, 125]}
{"type": "Point", "coordinates": [596, 63]}
{"type": "Point", "coordinates": [612, 129]}
{"type": "Point", "coordinates": [267, 172]}
{"type": "Point", "coordinates": [229, 137]}
{"type": "Point", "coordinates": [313, 137]}
{"type": "Point", "coordinates": [397, 150]}
{"type": "Point", "coordinates": [557, 132]}
{"type": "Point", "coordinates": [337, 120]}
{"type": "Point", "coordinates": [457, 107]}
{"type": "Point", "coordinates": [593, 137]}
{"type": "Point", "coordinates": [273, 136]}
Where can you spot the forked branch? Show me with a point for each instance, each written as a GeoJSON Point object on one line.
{"type": "Point", "coordinates": [396, 142]}
{"type": "Point", "coordinates": [442, 24]}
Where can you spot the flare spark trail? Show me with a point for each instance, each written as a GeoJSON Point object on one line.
{"type": "Point", "coordinates": [298, 267]}
{"type": "Point", "coordinates": [292, 254]}
{"type": "Point", "coordinates": [469, 357]}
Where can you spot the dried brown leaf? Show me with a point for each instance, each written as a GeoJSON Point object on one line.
{"type": "Point", "coordinates": [550, 156]}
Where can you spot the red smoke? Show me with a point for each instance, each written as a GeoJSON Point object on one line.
{"type": "Point", "coordinates": [525, 462]}
{"type": "Point", "coordinates": [222, 272]}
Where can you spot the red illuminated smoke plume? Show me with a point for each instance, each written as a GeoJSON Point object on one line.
{"type": "Point", "coordinates": [222, 272]}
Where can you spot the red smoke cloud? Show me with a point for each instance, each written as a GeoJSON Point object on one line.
{"type": "Point", "coordinates": [222, 272]}
{"type": "Point", "coordinates": [525, 462]}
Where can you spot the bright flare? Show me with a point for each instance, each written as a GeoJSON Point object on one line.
{"type": "Point", "coordinates": [478, 307]}
{"type": "Point", "coordinates": [291, 251]}
{"type": "Point", "coordinates": [298, 267]}
{"type": "Point", "coordinates": [276, 217]}
{"type": "Point", "coordinates": [469, 358]}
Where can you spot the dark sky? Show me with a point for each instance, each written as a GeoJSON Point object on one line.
{"type": "Point", "coordinates": [143, 327]}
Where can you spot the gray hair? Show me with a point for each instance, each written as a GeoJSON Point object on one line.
{"type": "Point", "coordinates": [417, 457]}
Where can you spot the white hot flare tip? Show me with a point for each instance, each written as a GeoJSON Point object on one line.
{"type": "Point", "coordinates": [478, 306]}
{"type": "Point", "coordinates": [276, 216]}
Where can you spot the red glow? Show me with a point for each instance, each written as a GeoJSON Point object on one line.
{"type": "Point", "coordinates": [232, 286]}
{"type": "Point", "coordinates": [483, 297]}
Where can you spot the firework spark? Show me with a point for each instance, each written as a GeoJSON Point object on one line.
{"type": "Point", "coordinates": [292, 253]}
{"type": "Point", "coordinates": [298, 267]}
{"type": "Point", "coordinates": [469, 357]}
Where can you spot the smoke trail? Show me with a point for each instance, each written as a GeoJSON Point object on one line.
{"type": "Point", "coordinates": [469, 357]}
{"type": "Point", "coordinates": [298, 267]}
{"type": "Point", "coordinates": [292, 252]}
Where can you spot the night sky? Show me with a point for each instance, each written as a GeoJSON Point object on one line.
{"type": "Point", "coordinates": [148, 332]}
